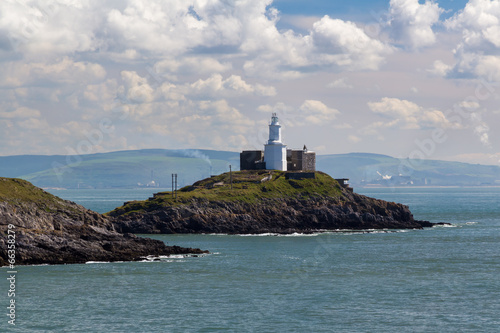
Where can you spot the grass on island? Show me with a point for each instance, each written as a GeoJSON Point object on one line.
{"type": "Point", "coordinates": [248, 187]}
{"type": "Point", "coordinates": [19, 192]}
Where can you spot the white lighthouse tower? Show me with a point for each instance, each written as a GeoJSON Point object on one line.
{"type": "Point", "coordinates": [275, 150]}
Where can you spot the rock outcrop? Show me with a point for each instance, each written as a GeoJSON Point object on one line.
{"type": "Point", "coordinates": [276, 206]}
{"type": "Point", "coordinates": [49, 230]}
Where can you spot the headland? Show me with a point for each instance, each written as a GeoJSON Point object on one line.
{"type": "Point", "coordinates": [37, 227]}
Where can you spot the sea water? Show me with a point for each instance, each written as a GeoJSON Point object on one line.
{"type": "Point", "coordinates": [444, 279]}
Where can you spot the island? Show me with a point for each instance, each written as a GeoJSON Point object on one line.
{"type": "Point", "coordinates": [37, 227]}
{"type": "Point", "coordinates": [262, 201]}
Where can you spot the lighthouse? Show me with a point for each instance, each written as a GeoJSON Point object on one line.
{"type": "Point", "coordinates": [275, 150]}
{"type": "Point", "coordinates": [276, 156]}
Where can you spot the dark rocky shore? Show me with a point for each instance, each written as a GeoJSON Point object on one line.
{"type": "Point", "coordinates": [49, 230]}
{"type": "Point", "coordinates": [300, 206]}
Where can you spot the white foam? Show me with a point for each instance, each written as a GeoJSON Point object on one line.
{"type": "Point", "coordinates": [451, 225]}
{"type": "Point", "coordinates": [295, 234]}
{"type": "Point", "coordinates": [258, 235]}
{"type": "Point", "coordinates": [97, 262]}
{"type": "Point", "coordinates": [329, 232]}
{"type": "Point", "coordinates": [162, 260]}
{"type": "Point", "coordinates": [172, 257]}
{"type": "Point", "coordinates": [471, 223]}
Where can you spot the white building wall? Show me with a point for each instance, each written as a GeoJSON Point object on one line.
{"type": "Point", "coordinates": [275, 156]}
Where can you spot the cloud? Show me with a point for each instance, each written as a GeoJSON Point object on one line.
{"type": "Point", "coordinates": [469, 105]}
{"type": "Point", "coordinates": [21, 112]}
{"type": "Point", "coordinates": [187, 36]}
{"type": "Point", "coordinates": [64, 71]}
{"type": "Point", "coordinates": [340, 83]}
{"type": "Point", "coordinates": [200, 65]}
{"type": "Point", "coordinates": [210, 123]}
{"type": "Point", "coordinates": [480, 128]}
{"type": "Point", "coordinates": [280, 108]}
{"type": "Point", "coordinates": [407, 115]}
{"type": "Point", "coordinates": [332, 44]}
{"type": "Point", "coordinates": [216, 85]}
{"type": "Point", "coordinates": [343, 45]}
{"type": "Point", "coordinates": [439, 68]}
{"type": "Point", "coordinates": [354, 138]}
{"type": "Point", "coordinates": [309, 112]}
{"type": "Point", "coordinates": [137, 88]}
{"type": "Point", "coordinates": [478, 53]}
{"type": "Point", "coordinates": [316, 112]}
{"type": "Point", "coordinates": [411, 22]}
{"type": "Point", "coordinates": [193, 73]}
{"type": "Point", "coordinates": [479, 23]}
{"type": "Point", "coordinates": [41, 29]}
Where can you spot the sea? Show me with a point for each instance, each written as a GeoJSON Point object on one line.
{"type": "Point", "coordinates": [442, 279]}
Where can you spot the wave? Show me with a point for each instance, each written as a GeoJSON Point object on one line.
{"type": "Point", "coordinates": [172, 257]}
{"type": "Point", "coordinates": [295, 234]}
{"type": "Point", "coordinates": [162, 260]}
{"type": "Point", "coordinates": [105, 262]}
{"type": "Point", "coordinates": [450, 225]}
{"type": "Point", "coordinates": [328, 232]}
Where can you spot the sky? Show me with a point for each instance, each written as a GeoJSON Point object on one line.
{"type": "Point", "coordinates": [406, 78]}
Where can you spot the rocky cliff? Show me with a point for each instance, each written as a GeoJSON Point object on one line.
{"type": "Point", "coordinates": [45, 229]}
{"type": "Point", "coordinates": [262, 202]}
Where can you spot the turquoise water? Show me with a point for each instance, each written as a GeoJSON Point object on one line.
{"type": "Point", "coordinates": [445, 279]}
{"type": "Point", "coordinates": [105, 200]}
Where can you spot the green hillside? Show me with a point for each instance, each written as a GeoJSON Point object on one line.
{"type": "Point", "coordinates": [125, 168]}
{"type": "Point", "coordinates": [18, 192]}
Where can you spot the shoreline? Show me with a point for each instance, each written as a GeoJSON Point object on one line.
{"type": "Point", "coordinates": [428, 186]}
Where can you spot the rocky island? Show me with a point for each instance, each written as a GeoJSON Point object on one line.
{"type": "Point", "coordinates": [262, 201]}
{"type": "Point", "coordinates": [43, 229]}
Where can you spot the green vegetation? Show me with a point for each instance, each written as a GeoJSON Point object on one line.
{"type": "Point", "coordinates": [248, 187]}
{"type": "Point", "coordinates": [20, 192]}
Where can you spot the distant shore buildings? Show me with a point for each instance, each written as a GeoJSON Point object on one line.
{"type": "Point", "coordinates": [276, 155]}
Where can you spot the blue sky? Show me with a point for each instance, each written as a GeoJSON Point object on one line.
{"type": "Point", "coordinates": [352, 9]}
{"type": "Point", "coordinates": [406, 78]}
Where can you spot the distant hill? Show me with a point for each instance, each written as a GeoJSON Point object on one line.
{"type": "Point", "coordinates": [133, 168]}
{"type": "Point", "coordinates": [154, 167]}
{"type": "Point", "coordinates": [364, 169]}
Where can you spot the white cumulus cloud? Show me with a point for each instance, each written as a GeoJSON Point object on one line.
{"type": "Point", "coordinates": [316, 112]}
{"type": "Point", "coordinates": [478, 53]}
{"type": "Point", "coordinates": [411, 22]}
{"type": "Point", "coordinates": [63, 71]}
{"type": "Point", "coordinates": [344, 45]}
{"type": "Point", "coordinates": [408, 115]}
